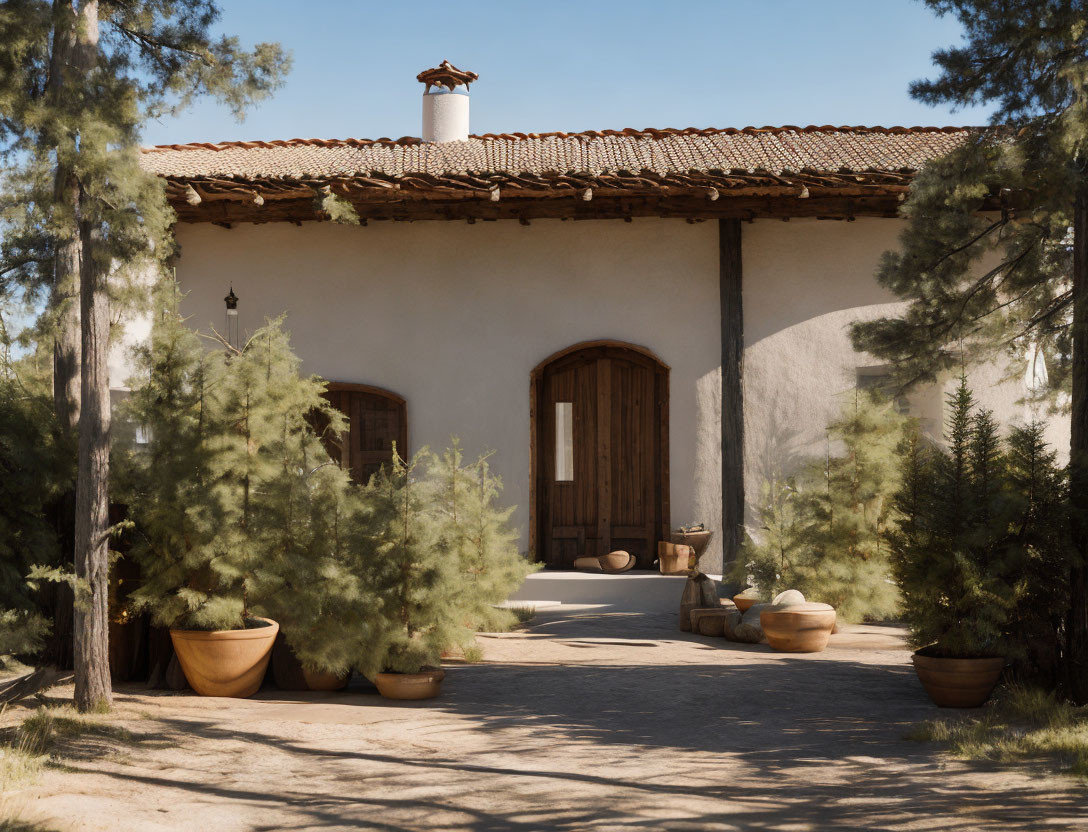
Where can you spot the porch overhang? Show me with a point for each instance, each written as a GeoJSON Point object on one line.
{"type": "Point", "coordinates": [752, 173]}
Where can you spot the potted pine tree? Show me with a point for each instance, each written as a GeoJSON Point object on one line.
{"type": "Point", "coordinates": [233, 498]}
{"type": "Point", "coordinates": [419, 587]}
{"type": "Point", "coordinates": [971, 518]}
{"type": "Point", "coordinates": [475, 532]}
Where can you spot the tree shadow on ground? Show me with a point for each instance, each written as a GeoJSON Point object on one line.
{"type": "Point", "coordinates": [796, 742]}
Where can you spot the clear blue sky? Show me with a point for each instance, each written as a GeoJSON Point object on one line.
{"type": "Point", "coordinates": [585, 64]}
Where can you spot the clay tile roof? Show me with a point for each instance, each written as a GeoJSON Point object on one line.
{"type": "Point", "coordinates": [446, 75]}
{"type": "Point", "coordinates": [774, 151]}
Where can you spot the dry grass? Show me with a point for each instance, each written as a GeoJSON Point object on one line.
{"type": "Point", "coordinates": [474, 654]}
{"type": "Point", "coordinates": [1019, 725]}
{"type": "Point", "coordinates": [48, 736]}
{"type": "Point", "coordinates": [523, 614]}
{"type": "Point", "coordinates": [504, 619]}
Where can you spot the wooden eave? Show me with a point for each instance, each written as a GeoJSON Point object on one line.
{"type": "Point", "coordinates": [620, 195]}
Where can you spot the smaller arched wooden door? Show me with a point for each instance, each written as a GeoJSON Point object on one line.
{"type": "Point", "coordinates": [600, 453]}
{"type": "Point", "coordinates": [376, 419]}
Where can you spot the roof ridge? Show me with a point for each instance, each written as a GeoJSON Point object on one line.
{"type": "Point", "coordinates": [652, 132]}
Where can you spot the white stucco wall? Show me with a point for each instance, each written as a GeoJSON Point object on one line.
{"type": "Point", "coordinates": [805, 281]}
{"type": "Point", "coordinates": [454, 317]}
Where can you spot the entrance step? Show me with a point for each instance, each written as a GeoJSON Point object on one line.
{"type": "Point", "coordinates": [628, 592]}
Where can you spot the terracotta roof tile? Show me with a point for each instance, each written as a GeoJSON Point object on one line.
{"type": "Point", "coordinates": [770, 150]}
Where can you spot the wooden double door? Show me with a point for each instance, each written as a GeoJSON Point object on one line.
{"type": "Point", "coordinates": [600, 454]}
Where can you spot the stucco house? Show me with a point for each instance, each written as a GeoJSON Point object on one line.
{"type": "Point", "coordinates": [642, 322]}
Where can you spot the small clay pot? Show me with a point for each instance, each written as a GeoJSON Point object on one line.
{"type": "Point", "coordinates": [426, 684]}
{"type": "Point", "coordinates": [958, 683]}
{"type": "Point", "coordinates": [744, 603]}
{"type": "Point", "coordinates": [289, 674]}
{"type": "Point", "coordinates": [225, 662]}
{"type": "Point", "coordinates": [320, 680]}
{"type": "Point", "coordinates": [798, 628]}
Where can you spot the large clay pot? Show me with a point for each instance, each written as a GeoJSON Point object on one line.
{"type": "Point", "coordinates": [798, 628]}
{"type": "Point", "coordinates": [225, 662]}
{"type": "Point", "coordinates": [426, 684]}
{"type": "Point", "coordinates": [958, 683]}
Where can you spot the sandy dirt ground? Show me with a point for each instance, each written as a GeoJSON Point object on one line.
{"type": "Point", "coordinates": [586, 721]}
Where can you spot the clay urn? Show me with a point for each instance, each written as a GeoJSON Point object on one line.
{"type": "Point", "coordinates": [426, 684]}
{"type": "Point", "coordinates": [958, 683]}
{"type": "Point", "coordinates": [798, 628]}
{"type": "Point", "coordinates": [745, 599]}
{"type": "Point", "coordinates": [226, 662]}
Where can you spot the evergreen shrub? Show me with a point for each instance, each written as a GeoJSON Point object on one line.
{"type": "Point", "coordinates": [37, 465]}
{"type": "Point", "coordinates": [238, 511]}
{"type": "Point", "coordinates": [821, 530]}
{"type": "Point", "coordinates": [980, 549]}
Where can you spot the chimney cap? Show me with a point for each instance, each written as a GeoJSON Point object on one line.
{"type": "Point", "coordinates": [446, 75]}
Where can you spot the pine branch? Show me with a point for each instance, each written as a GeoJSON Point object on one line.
{"type": "Point", "coordinates": [154, 47]}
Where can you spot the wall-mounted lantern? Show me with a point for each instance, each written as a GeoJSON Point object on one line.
{"type": "Point", "coordinates": [231, 301]}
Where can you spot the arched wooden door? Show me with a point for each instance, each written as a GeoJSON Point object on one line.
{"type": "Point", "coordinates": [600, 453]}
{"type": "Point", "coordinates": [376, 419]}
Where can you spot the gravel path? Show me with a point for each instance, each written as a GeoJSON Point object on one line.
{"type": "Point", "coordinates": [586, 721]}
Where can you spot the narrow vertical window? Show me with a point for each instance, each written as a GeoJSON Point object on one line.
{"type": "Point", "coordinates": [564, 442]}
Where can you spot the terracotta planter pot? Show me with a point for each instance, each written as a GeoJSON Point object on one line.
{"type": "Point", "coordinates": [424, 685]}
{"type": "Point", "coordinates": [798, 628]}
{"type": "Point", "coordinates": [225, 662]}
{"type": "Point", "coordinates": [289, 674]}
{"type": "Point", "coordinates": [320, 680]}
{"type": "Point", "coordinates": [286, 668]}
{"type": "Point", "coordinates": [958, 683]}
{"type": "Point", "coordinates": [696, 540]}
{"type": "Point", "coordinates": [744, 603]}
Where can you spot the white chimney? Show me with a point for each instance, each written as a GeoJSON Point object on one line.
{"type": "Point", "coordinates": [445, 109]}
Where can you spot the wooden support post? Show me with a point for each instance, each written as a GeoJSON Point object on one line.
{"type": "Point", "coordinates": [732, 320]}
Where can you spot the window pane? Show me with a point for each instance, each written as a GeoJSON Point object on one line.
{"type": "Point", "coordinates": [564, 442]}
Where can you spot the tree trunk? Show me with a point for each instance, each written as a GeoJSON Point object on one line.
{"type": "Point", "coordinates": [92, 660]}
{"type": "Point", "coordinates": [64, 297]}
{"type": "Point", "coordinates": [1077, 620]}
{"type": "Point", "coordinates": [65, 302]}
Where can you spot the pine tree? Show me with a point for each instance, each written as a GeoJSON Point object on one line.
{"type": "Point", "coordinates": [981, 549]}
{"type": "Point", "coordinates": [476, 533]}
{"type": "Point", "coordinates": [35, 468]}
{"type": "Point", "coordinates": [1039, 541]}
{"type": "Point", "coordinates": [823, 530]}
{"type": "Point", "coordinates": [987, 261]}
{"type": "Point", "coordinates": [238, 510]}
{"type": "Point", "coordinates": [779, 543]}
{"type": "Point", "coordinates": [419, 585]}
{"type": "Point", "coordinates": [77, 81]}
